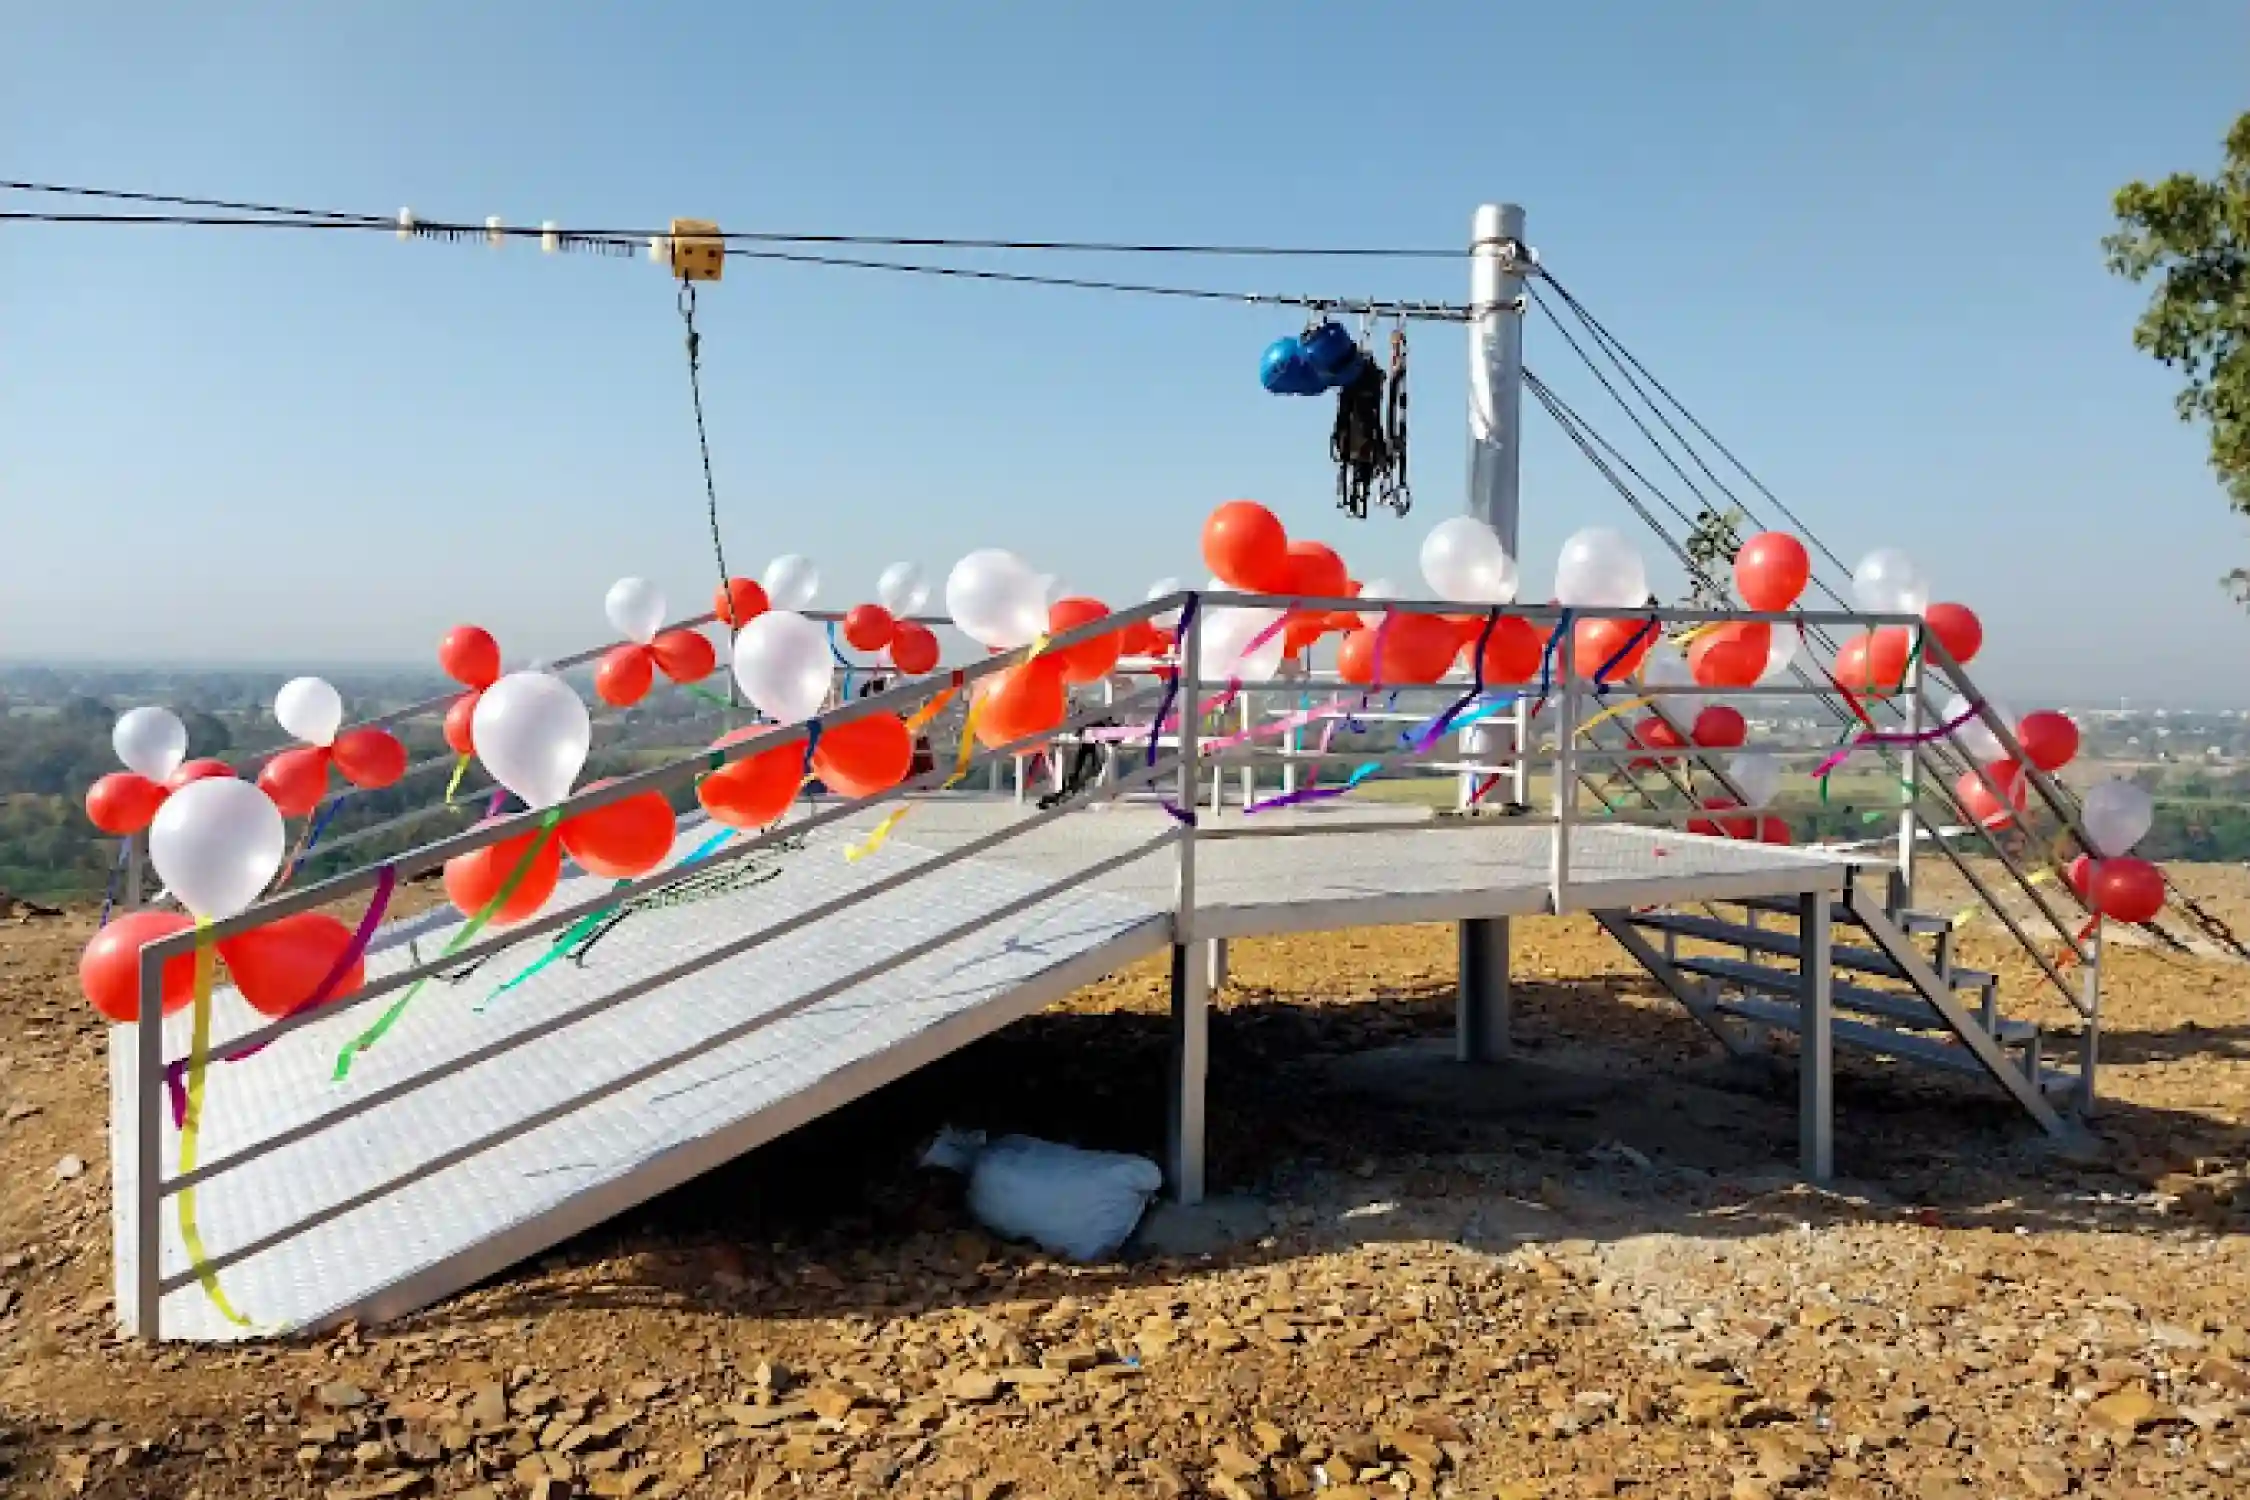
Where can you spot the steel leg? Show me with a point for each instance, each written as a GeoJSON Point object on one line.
{"type": "Point", "coordinates": [1191, 1053]}
{"type": "Point", "coordinates": [1218, 964]}
{"type": "Point", "coordinates": [1816, 1046]}
{"type": "Point", "coordinates": [1482, 1004]}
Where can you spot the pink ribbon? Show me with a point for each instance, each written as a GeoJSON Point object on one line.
{"type": "Point", "coordinates": [1870, 737]}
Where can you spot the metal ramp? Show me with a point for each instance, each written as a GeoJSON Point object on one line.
{"type": "Point", "coordinates": [796, 1037]}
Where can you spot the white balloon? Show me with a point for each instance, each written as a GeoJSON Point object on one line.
{"type": "Point", "coordinates": [995, 600]}
{"type": "Point", "coordinates": [783, 662]}
{"type": "Point", "coordinates": [791, 581]}
{"type": "Point", "coordinates": [1886, 582]}
{"type": "Point", "coordinates": [1757, 775]}
{"type": "Point", "coordinates": [1666, 666]}
{"type": "Point", "coordinates": [1462, 559]}
{"type": "Point", "coordinates": [1052, 589]}
{"type": "Point", "coordinates": [2117, 815]}
{"type": "Point", "coordinates": [216, 844]}
{"type": "Point", "coordinates": [1599, 569]}
{"type": "Point", "coordinates": [150, 741]}
{"type": "Point", "coordinates": [1975, 736]}
{"type": "Point", "coordinates": [1379, 588]}
{"type": "Point", "coordinates": [309, 709]}
{"type": "Point", "coordinates": [1223, 648]}
{"type": "Point", "coordinates": [635, 608]}
{"type": "Point", "coordinates": [532, 733]}
{"type": "Point", "coordinates": [903, 590]}
{"type": "Point", "coordinates": [1779, 655]}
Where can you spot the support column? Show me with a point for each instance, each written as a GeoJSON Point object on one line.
{"type": "Point", "coordinates": [1497, 261]}
{"type": "Point", "coordinates": [1191, 1060]}
{"type": "Point", "coordinates": [1218, 964]}
{"type": "Point", "coordinates": [1816, 1045]}
{"type": "Point", "coordinates": [1481, 1007]}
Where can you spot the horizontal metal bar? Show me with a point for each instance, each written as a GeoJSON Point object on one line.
{"type": "Point", "coordinates": [748, 942]}
{"type": "Point", "coordinates": [656, 778]}
{"type": "Point", "coordinates": [1663, 615]}
{"type": "Point", "coordinates": [626, 1080]}
{"type": "Point", "coordinates": [555, 921]}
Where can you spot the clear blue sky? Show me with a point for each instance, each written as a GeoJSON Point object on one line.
{"type": "Point", "coordinates": [1859, 240]}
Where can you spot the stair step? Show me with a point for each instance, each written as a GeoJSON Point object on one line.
{"type": "Point", "coordinates": [1922, 923]}
{"type": "Point", "coordinates": [1949, 1057]}
{"type": "Point", "coordinates": [1916, 923]}
{"type": "Point", "coordinates": [1768, 940]}
{"type": "Point", "coordinates": [1902, 1010]}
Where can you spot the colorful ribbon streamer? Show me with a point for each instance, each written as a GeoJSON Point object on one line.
{"type": "Point", "coordinates": [460, 939]}
{"type": "Point", "coordinates": [586, 925]}
{"type": "Point", "coordinates": [922, 718]}
{"type": "Point", "coordinates": [1871, 737]}
{"type": "Point", "coordinates": [453, 783]}
{"type": "Point", "coordinates": [1430, 733]}
{"type": "Point", "coordinates": [191, 1122]}
{"type": "Point", "coordinates": [1360, 772]}
{"type": "Point", "coordinates": [386, 882]}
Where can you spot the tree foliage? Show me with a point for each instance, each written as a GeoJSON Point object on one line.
{"type": "Point", "coordinates": [2192, 235]}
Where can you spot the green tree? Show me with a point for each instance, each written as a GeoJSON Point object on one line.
{"type": "Point", "coordinates": [2193, 235]}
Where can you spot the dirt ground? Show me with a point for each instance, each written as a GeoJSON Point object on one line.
{"type": "Point", "coordinates": [1587, 1272]}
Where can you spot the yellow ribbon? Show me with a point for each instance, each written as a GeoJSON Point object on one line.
{"type": "Point", "coordinates": [191, 1119]}
{"type": "Point", "coordinates": [460, 769]}
{"type": "Point", "coordinates": [1610, 713]}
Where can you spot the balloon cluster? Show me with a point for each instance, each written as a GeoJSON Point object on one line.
{"type": "Point", "coordinates": [2116, 816]}
{"type": "Point", "coordinates": [636, 611]}
{"type": "Point", "coordinates": [1307, 364]}
{"type": "Point", "coordinates": [152, 743]}
{"type": "Point", "coordinates": [1873, 664]}
{"type": "Point", "coordinates": [2049, 741]}
{"type": "Point", "coordinates": [217, 843]}
{"type": "Point", "coordinates": [884, 627]}
{"type": "Point", "coordinates": [312, 711]}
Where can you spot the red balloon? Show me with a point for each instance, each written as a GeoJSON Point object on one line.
{"type": "Point", "coordinates": [1020, 703]}
{"type": "Point", "coordinates": [1981, 805]}
{"type": "Point", "coordinates": [460, 715]}
{"type": "Point", "coordinates": [370, 758]}
{"type": "Point", "coordinates": [296, 779]}
{"type": "Point", "coordinates": [279, 967]}
{"type": "Point", "coordinates": [123, 803]}
{"type": "Point", "coordinates": [1513, 652]}
{"type": "Point", "coordinates": [740, 602]}
{"type": "Point", "coordinates": [473, 880]}
{"type": "Point", "coordinates": [1316, 571]}
{"type": "Point", "coordinates": [868, 627]}
{"type": "Point", "coordinates": [197, 770]}
{"type": "Point", "coordinates": [1618, 645]}
{"type": "Point", "coordinates": [109, 970]}
{"type": "Point", "coordinates": [622, 841]}
{"type": "Point", "coordinates": [1874, 663]}
{"type": "Point", "coordinates": [1729, 828]}
{"type": "Point", "coordinates": [1771, 571]}
{"type": "Point", "coordinates": [1089, 660]}
{"type": "Point", "coordinates": [2049, 739]}
{"type": "Point", "coordinates": [1719, 727]}
{"type": "Point", "coordinates": [914, 648]}
{"type": "Point", "coordinates": [756, 790]}
{"type": "Point", "coordinates": [864, 756]}
{"type": "Point", "coordinates": [1773, 830]}
{"type": "Point", "coordinates": [2081, 875]}
{"type": "Point", "coordinates": [1957, 629]}
{"type": "Point", "coordinates": [1246, 548]}
{"type": "Point", "coordinates": [684, 655]}
{"type": "Point", "coordinates": [1139, 639]}
{"type": "Point", "coordinates": [1355, 658]}
{"type": "Point", "coordinates": [1419, 648]}
{"type": "Point", "coordinates": [2127, 889]}
{"type": "Point", "coordinates": [625, 674]}
{"type": "Point", "coordinates": [470, 656]}
{"type": "Point", "coordinates": [1731, 656]}
{"type": "Point", "coordinates": [1300, 632]}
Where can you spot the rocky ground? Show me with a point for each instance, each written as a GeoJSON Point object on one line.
{"type": "Point", "coordinates": [1588, 1273]}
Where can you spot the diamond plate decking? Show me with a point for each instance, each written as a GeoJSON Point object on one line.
{"type": "Point", "coordinates": [462, 1217]}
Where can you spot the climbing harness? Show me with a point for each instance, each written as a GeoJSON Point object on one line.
{"type": "Point", "coordinates": [1368, 442]}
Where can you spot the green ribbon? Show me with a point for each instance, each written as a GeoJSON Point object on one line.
{"type": "Point", "coordinates": [470, 929]}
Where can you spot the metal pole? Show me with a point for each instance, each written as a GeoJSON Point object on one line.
{"type": "Point", "coordinates": [1909, 826]}
{"type": "Point", "coordinates": [148, 1152]}
{"type": "Point", "coordinates": [1480, 1016]}
{"type": "Point", "coordinates": [2090, 1040]}
{"type": "Point", "coordinates": [1496, 269]}
{"type": "Point", "coordinates": [1566, 775]}
{"type": "Point", "coordinates": [1191, 960]}
{"type": "Point", "coordinates": [1816, 1045]}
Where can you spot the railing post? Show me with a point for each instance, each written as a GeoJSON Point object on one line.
{"type": "Point", "coordinates": [1816, 1041]}
{"type": "Point", "coordinates": [148, 1152]}
{"type": "Point", "coordinates": [1191, 959]}
{"type": "Point", "coordinates": [1909, 824]}
{"type": "Point", "coordinates": [2089, 1040]}
{"type": "Point", "coordinates": [1566, 773]}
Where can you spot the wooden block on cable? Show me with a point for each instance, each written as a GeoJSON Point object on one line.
{"type": "Point", "coordinates": [698, 254]}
